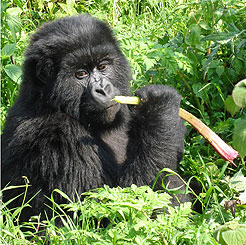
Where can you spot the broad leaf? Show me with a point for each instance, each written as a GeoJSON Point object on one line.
{"type": "Point", "coordinates": [235, 237]}
{"type": "Point", "coordinates": [238, 181]}
{"type": "Point", "coordinates": [239, 93]}
{"type": "Point", "coordinates": [14, 72]}
{"type": "Point", "coordinates": [149, 63]}
{"type": "Point", "coordinates": [220, 37]}
{"type": "Point", "coordinates": [231, 106]}
{"type": "Point", "coordinates": [239, 137]}
{"type": "Point", "coordinates": [8, 50]}
{"type": "Point", "coordinates": [220, 70]}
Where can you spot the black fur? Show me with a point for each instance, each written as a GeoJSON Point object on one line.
{"type": "Point", "coordinates": [65, 132]}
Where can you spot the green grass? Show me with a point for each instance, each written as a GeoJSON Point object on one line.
{"type": "Point", "coordinates": [197, 47]}
{"type": "Point", "coordinates": [133, 215]}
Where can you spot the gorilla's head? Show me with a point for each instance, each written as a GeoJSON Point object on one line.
{"type": "Point", "coordinates": [74, 65]}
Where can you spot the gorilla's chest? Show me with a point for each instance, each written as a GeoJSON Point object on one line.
{"type": "Point", "coordinates": [116, 141]}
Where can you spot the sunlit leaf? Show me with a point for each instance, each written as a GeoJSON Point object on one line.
{"type": "Point", "coordinates": [235, 237]}
{"type": "Point", "coordinates": [238, 181]}
{"type": "Point", "coordinates": [204, 25]}
{"type": "Point", "coordinates": [239, 137]}
{"type": "Point", "coordinates": [231, 106]}
{"type": "Point", "coordinates": [14, 25]}
{"type": "Point", "coordinates": [149, 63]}
{"type": "Point", "coordinates": [14, 11]}
{"type": "Point", "coordinates": [219, 37]}
{"type": "Point", "coordinates": [8, 50]}
{"type": "Point", "coordinates": [239, 93]}
{"type": "Point", "coordinates": [14, 72]}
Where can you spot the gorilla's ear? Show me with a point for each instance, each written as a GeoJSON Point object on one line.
{"type": "Point", "coordinates": [44, 70]}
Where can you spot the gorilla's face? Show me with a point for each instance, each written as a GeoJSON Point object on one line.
{"type": "Point", "coordinates": [80, 67]}
{"type": "Point", "coordinates": [88, 84]}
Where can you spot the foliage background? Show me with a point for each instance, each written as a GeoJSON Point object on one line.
{"type": "Point", "coordinates": [198, 47]}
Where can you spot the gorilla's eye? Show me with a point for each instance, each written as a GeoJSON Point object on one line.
{"type": "Point", "coordinates": [102, 67]}
{"type": "Point", "coordinates": [80, 74]}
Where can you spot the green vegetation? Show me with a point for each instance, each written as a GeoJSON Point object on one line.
{"type": "Point", "coordinates": [198, 47]}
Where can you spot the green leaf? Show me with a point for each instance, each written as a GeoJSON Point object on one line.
{"type": "Point", "coordinates": [220, 70]}
{"type": "Point", "coordinates": [14, 25]}
{"type": "Point", "coordinates": [239, 93]}
{"type": "Point", "coordinates": [231, 106]}
{"type": "Point", "coordinates": [62, 194]}
{"type": "Point", "coordinates": [219, 37]}
{"type": "Point", "coordinates": [200, 90]}
{"type": "Point", "coordinates": [8, 50]}
{"type": "Point", "coordinates": [183, 62]}
{"type": "Point", "coordinates": [239, 137]}
{"type": "Point", "coordinates": [149, 63]}
{"type": "Point", "coordinates": [14, 11]}
{"type": "Point", "coordinates": [193, 37]}
{"type": "Point", "coordinates": [204, 25]}
{"type": "Point", "coordinates": [69, 7]}
{"type": "Point", "coordinates": [242, 197]}
{"type": "Point", "coordinates": [19, 4]}
{"type": "Point", "coordinates": [214, 64]}
{"type": "Point", "coordinates": [235, 237]}
{"type": "Point", "coordinates": [238, 181]}
{"type": "Point", "coordinates": [4, 6]}
{"type": "Point", "coordinates": [14, 72]}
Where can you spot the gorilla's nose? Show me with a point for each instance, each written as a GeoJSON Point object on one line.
{"type": "Point", "coordinates": [102, 92]}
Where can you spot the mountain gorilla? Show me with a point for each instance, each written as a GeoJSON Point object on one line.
{"type": "Point", "coordinates": [66, 132]}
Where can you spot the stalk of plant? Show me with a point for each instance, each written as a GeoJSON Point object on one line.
{"type": "Point", "coordinates": [223, 149]}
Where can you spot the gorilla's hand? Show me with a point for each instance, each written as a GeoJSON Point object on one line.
{"type": "Point", "coordinates": [158, 100]}
{"type": "Point", "coordinates": [156, 134]}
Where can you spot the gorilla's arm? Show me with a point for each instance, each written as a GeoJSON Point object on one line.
{"type": "Point", "coordinates": [156, 136]}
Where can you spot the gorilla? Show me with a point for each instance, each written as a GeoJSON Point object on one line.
{"type": "Point", "coordinates": [65, 131]}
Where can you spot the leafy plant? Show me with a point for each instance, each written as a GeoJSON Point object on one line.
{"type": "Point", "coordinates": [11, 34]}
{"type": "Point", "coordinates": [134, 215]}
{"type": "Point", "coordinates": [233, 104]}
{"type": "Point", "coordinates": [231, 233]}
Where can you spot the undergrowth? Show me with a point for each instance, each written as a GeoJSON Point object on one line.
{"type": "Point", "coordinates": [133, 215]}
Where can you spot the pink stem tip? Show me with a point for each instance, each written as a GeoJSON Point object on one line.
{"type": "Point", "coordinates": [224, 150]}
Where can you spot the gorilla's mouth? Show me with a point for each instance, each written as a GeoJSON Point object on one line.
{"type": "Point", "coordinates": [112, 104]}
{"type": "Point", "coordinates": [99, 114]}
{"type": "Point", "coordinates": [111, 111]}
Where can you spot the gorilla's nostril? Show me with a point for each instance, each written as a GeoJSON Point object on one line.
{"type": "Point", "coordinates": [107, 89]}
{"type": "Point", "coordinates": [100, 91]}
